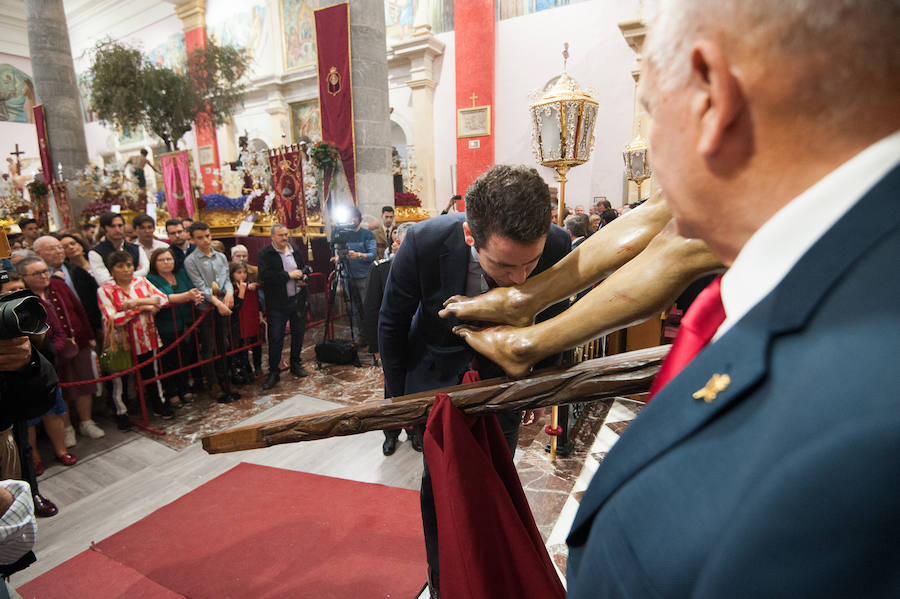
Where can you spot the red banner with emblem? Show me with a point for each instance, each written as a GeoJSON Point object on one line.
{"type": "Point", "coordinates": [287, 182]}
{"type": "Point", "coordinates": [40, 124]}
{"type": "Point", "coordinates": [335, 85]}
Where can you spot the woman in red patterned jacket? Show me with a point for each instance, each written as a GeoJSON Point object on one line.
{"type": "Point", "coordinates": [130, 303]}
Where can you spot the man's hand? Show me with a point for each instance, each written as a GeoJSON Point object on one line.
{"type": "Point", "coordinates": [14, 354]}
{"type": "Point", "coordinates": [60, 275]}
{"type": "Point", "coordinates": [221, 307]}
{"type": "Point", "coordinates": [296, 274]}
{"type": "Point", "coordinates": [6, 500]}
{"type": "Point", "coordinates": [501, 305]}
{"type": "Point", "coordinates": [229, 301]}
{"type": "Point", "coordinates": [352, 255]}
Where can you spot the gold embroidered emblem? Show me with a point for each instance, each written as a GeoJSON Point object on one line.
{"type": "Point", "coordinates": [334, 81]}
{"type": "Point", "coordinates": [715, 385]}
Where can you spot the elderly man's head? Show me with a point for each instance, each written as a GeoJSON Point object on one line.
{"type": "Point", "coordinates": [753, 102]}
{"type": "Point", "coordinates": [50, 250]}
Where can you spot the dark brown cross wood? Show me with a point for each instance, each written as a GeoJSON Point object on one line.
{"type": "Point", "coordinates": [17, 153]}
{"type": "Point", "coordinates": [602, 378]}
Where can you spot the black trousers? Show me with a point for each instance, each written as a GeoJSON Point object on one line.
{"type": "Point", "coordinates": [295, 314]}
{"type": "Point", "coordinates": [509, 424]}
{"type": "Point", "coordinates": [177, 384]}
{"type": "Point", "coordinates": [213, 333]}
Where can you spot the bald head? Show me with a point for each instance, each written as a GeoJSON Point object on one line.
{"type": "Point", "coordinates": [50, 250]}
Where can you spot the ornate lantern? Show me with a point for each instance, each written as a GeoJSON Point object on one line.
{"type": "Point", "coordinates": [562, 137]}
{"type": "Point", "coordinates": [562, 127]}
{"type": "Point", "coordinates": [637, 168]}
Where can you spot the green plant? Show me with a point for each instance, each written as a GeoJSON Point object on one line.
{"type": "Point", "coordinates": [37, 189]}
{"type": "Point", "coordinates": [128, 91]}
{"type": "Point", "coordinates": [325, 156]}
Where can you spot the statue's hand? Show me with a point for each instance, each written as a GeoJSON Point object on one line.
{"type": "Point", "coordinates": [502, 305]}
{"type": "Point", "coordinates": [510, 347]}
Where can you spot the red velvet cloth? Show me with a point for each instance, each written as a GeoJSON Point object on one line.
{"type": "Point", "coordinates": [489, 544]}
{"type": "Point", "coordinates": [698, 326]}
{"type": "Point", "coordinates": [335, 94]}
{"type": "Point", "coordinates": [248, 315]}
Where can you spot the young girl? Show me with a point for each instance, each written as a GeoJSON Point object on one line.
{"type": "Point", "coordinates": [245, 320]}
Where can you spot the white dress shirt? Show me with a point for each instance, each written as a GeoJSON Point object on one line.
{"type": "Point", "coordinates": [778, 245]}
{"type": "Point", "coordinates": [101, 274]}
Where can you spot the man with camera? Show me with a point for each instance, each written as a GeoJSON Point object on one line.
{"type": "Point", "coordinates": [283, 276]}
{"type": "Point", "coordinates": [356, 249]}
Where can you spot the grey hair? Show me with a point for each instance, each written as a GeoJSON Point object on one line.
{"type": "Point", "coordinates": [847, 48]}
{"type": "Point", "coordinates": [238, 246]}
{"type": "Point", "coordinates": [21, 255]}
{"type": "Point", "coordinates": [402, 229]}
{"type": "Point", "coordinates": [43, 239]}
{"type": "Point", "coordinates": [275, 227]}
{"type": "Point", "coordinates": [22, 265]}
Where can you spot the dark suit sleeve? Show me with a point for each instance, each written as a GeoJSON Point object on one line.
{"type": "Point", "coordinates": [372, 302]}
{"type": "Point", "coordinates": [402, 295]}
{"type": "Point", "coordinates": [86, 287]}
{"type": "Point", "coordinates": [270, 272]}
{"type": "Point", "coordinates": [557, 248]}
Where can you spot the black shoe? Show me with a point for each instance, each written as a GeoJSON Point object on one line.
{"type": "Point", "coordinates": [123, 422]}
{"type": "Point", "coordinates": [228, 398]}
{"type": "Point", "coordinates": [257, 373]}
{"type": "Point", "coordinates": [298, 370]}
{"type": "Point", "coordinates": [389, 446]}
{"type": "Point", "coordinates": [416, 443]}
{"type": "Point", "coordinates": [271, 380]}
{"type": "Point", "coordinates": [163, 410]}
{"type": "Point", "coordinates": [43, 507]}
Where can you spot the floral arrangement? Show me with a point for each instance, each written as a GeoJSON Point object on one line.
{"type": "Point", "coordinates": [217, 201]}
{"type": "Point", "coordinates": [406, 199]}
{"type": "Point", "coordinates": [325, 156]}
{"type": "Point", "coordinates": [108, 199]}
{"type": "Point", "coordinates": [37, 189]}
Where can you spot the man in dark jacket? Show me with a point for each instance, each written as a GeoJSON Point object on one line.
{"type": "Point", "coordinates": [284, 284]}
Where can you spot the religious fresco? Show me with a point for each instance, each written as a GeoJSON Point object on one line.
{"type": "Point", "coordinates": [170, 54]}
{"type": "Point", "coordinates": [400, 15]}
{"type": "Point", "coordinates": [298, 30]}
{"type": "Point", "coordinates": [244, 29]}
{"type": "Point", "coordinates": [16, 95]}
{"type": "Point", "coordinates": [306, 121]}
{"type": "Point", "coordinates": [84, 92]}
{"type": "Point", "coordinates": [507, 9]}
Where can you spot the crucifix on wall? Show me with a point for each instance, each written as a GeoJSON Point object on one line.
{"type": "Point", "coordinates": [17, 153]}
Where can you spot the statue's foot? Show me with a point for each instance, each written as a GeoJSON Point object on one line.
{"type": "Point", "coordinates": [508, 347]}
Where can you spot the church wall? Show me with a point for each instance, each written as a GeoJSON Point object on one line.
{"type": "Point", "coordinates": [529, 53]}
{"type": "Point", "coordinates": [445, 123]}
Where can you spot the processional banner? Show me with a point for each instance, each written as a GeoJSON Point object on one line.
{"type": "Point", "coordinates": [61, 196]}
{"type": "Point", "coordinates": [177, 178]}
{"type": "Point", "coordinates": [286, 166]}
{"type": "Point", "coordinates": [335, 85]}
{"type": "Point", "coordinates": [40, 124]}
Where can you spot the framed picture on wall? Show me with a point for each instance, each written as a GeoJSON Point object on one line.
{"type": "Point", "coordinates": [205, 155]}
{"type": "Point", "coordinates": [473, 122]}
{"type": "Point", "coordinates": [306, 120]}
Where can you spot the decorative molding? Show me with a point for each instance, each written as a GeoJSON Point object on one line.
{"type": "Point", "coordinates": [192, 13]}
{"type": "Point", "coordinates": [634, 32]}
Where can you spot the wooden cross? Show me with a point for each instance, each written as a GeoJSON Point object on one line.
{"type": "Point", "coordinates": [17, 153]}
{"type": "Point", "coordinates": [473, 97]}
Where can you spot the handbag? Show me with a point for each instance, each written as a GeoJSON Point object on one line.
{"type": "Point", "coordinates": [116, 355]}
{"type": "Point", "coordinates": [337, 351]}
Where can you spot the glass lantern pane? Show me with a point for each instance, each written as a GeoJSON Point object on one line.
{"type": "Point", "coordinates": [637, 165]}
{"type": "Point", "coordinates": [550, 132]}
{"type": "Point", "coordinates": [586, 133]}
{"type": "Point", "coordinates": [571, 109]}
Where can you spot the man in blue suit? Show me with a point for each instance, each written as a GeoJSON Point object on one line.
{"type": "Point", "coordinates": [776, 137]}
{"type": "Point", "coordinates": [504, 237]}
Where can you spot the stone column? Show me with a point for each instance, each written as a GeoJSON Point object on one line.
{"type": "Point", "coordinates": [371, 111]}
{"type": "Point", "coordinates": [421, 50]}
{"type": "Point", "coordinates": [56, 88]}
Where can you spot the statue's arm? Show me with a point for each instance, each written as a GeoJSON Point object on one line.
{"type": "Point", "coordinates": [599, 255]}
{"type": "Point", "coordinates": [644, 286]}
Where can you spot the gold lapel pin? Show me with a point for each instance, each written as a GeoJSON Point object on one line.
{"type": "Point", "coordinates": [715, 385]}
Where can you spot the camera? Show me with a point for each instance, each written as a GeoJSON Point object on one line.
{"type": "Point", "coordinates": [306, 270]}
{"type": "Point", "coordinates": [340, 233]}
{"type": "Point", "coordinates": [21, 313]}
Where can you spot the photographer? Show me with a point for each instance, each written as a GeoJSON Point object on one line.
{"type": "Point", "coordinates": [283, 276]}
{"type": "Point", "coordinates": [356, 250]}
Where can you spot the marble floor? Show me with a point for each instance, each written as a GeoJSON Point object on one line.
{"type": "Point", "coordinates": [125, 476]}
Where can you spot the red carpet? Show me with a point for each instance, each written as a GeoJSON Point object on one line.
{"type": "Point", "coordinates": [257, 532]}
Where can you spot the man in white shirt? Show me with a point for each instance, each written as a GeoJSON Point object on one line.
{"type": "Point", "coordinates": [767, 466]}
{"type": "Point", "coordinates": [113, 227]}
{"type": "Point", "coordinates": [145, 227]}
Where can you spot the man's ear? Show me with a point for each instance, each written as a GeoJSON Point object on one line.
{"type": "Point", "coordinates": [718, 99]}
{"type": "Point", "coordinates": [467, 233]}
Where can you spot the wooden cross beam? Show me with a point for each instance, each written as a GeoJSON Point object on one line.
{"type": "Point", "coordinates": [18, 153]}
{"type": "Point", "coordinates": [602, 378]}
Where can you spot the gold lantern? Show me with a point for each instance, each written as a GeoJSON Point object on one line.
{"type": "Point", "coordinates": [562, 128]}
{"type": "Point", "coordinates": [562, 137]}
{"type": "Point", "coordinates": [637, 168]}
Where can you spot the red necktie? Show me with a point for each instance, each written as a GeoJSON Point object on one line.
{"type": "Point", "coordinates": [698, 327]}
